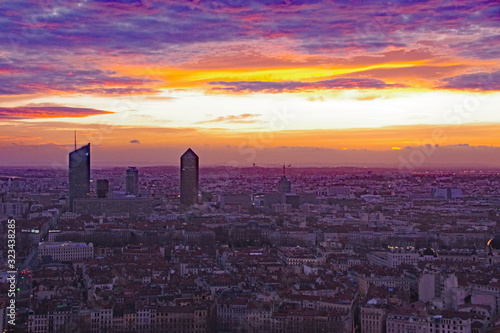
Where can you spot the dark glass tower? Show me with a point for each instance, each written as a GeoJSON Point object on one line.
{"type": "Point", "coordinates": [284, 185]}
{"type": "Point", "coordinates": [132, 181]}
{"type": "Point", "coordinates": [189, 178]}
{"type": "Point", "coordinates": [102, 188]}
{"type": "Point", "coordinates": [79, 174]}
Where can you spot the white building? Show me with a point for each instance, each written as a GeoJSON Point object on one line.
{"type": "Point", "coordinates": [65, 251]}
{"type": "Point", "coordinates": [13, 208]}
{"type": "Point", "coordinates": [393, 258]}
{"type": "Point", "coordinates": [339, 191]}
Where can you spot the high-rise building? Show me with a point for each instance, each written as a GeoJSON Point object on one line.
{"type": "Point", "coordinates": [79, 174]}
{"type": "Point", "coordinates": [102, 188]}
{"type": "Point", "coordinates": [132, 181]}
{"type": "Point", "coordinates": [284, 185]}
{"type": "Point", "coordinates": [189, 178]}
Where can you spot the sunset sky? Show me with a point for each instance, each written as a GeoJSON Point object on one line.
{"type": "Point", "coordinates": [330, 83]}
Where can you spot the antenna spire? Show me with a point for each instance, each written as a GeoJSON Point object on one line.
{"type": "Point", "coordinates": [284, 170]}
{"type": "Point", "coordinates": [75, 139]}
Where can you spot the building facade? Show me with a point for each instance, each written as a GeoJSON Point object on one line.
{"type": "Point", "coordinates": [189, 178]}
{"type": "Point", "coordinates": [102, 188]}
{"type": "Point", "coordinates": [79, 174]}
{"type": "Point", "coordinates": [66, 251]}
{"type": "Point", "coordinates": [132, 181]}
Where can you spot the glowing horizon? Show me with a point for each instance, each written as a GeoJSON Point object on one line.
{"type": "Point", "coordinates": [229, 78]}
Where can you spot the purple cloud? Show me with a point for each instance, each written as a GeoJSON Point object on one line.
{"type": "Point", "coordinates": [291, 86]}
{"type": "Point", "coordinates": [119, 27]}
{"type": "Point", "coordinates": [476, 81]}
{"type": "Point", "coordinates": [33, 80]}
{"type": "Point", "coordinates": [43, 40]}
{"type": "Point", "coordinates": [481, 48]}
{"type": "Point", "coordinates": [39, 112]}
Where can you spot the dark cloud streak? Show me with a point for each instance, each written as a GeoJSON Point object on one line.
{"type": "Point", "coordinates": [292, 86]}
{"type": "Point", "coordinates": [476, 81]}
{"type": "Point", "coordinates": [72, 80]}
{"type": "Point", "coordinates": [39, 112]}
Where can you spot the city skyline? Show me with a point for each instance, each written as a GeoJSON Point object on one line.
{"type": "Point", "coordinates": [397, 84]}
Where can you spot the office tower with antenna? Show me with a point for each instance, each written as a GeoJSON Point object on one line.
{"type": "Point", "coordinates": [79, 173]}
{"type": "Point", "coordinates": [284, 185]}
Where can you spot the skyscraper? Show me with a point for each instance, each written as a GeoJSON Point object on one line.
{"type": "Point", "coordinates": [132, 181]}
{"type": "Point", "coordinates": [189, 178]}
{"type": "Point", "coordinates": [79, 174]}
{"type": "Point", "coordinates": [284, 185]}
{"type": "Point", "coordinates": [102, 188]}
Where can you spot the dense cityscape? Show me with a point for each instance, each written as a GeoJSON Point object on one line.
{"type": "Point", "coordinates": [197, 249]}
{"type": "Point", "coordinates": [250, 166]}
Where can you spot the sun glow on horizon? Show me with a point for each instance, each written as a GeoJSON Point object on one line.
{"type": "Point", "coordinates": [252, 77]}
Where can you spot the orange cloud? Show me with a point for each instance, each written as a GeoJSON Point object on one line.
{"type": "Point", "coordinates": [40, 112]}
{"type": "Point", "coordinates": [183, 77]}
{"type": "Point", "coordinates": [245, 118]}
